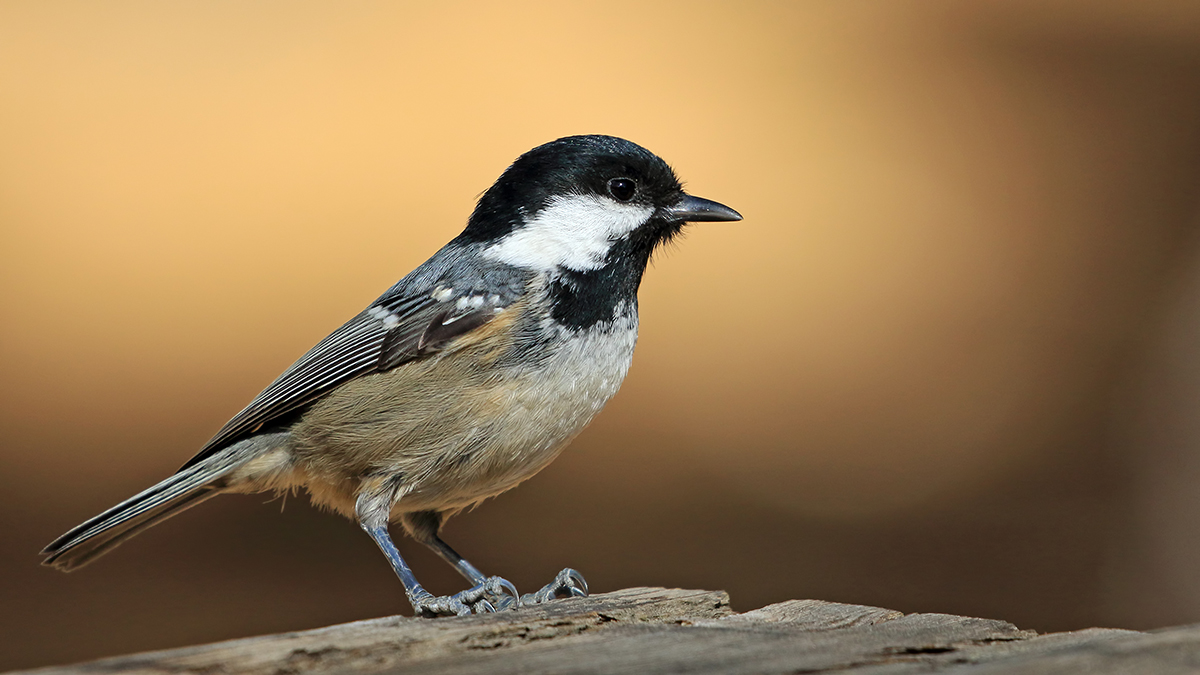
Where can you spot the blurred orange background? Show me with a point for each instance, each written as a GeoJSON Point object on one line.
{"type": "Point", "coordinates": [947, 363]}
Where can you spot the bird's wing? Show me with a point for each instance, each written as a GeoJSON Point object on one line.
{"type": "Point", "coordinates": [389, 333]}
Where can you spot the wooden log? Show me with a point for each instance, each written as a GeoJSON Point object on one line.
{"type": "Point", "coordinates": [648, 630]}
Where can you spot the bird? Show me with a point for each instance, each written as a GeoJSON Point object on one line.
{"type": "Point", "coordinates": [465, 378]}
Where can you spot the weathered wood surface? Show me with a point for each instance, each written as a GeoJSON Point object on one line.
{"type": "Point", "coordinates": [651, 630]}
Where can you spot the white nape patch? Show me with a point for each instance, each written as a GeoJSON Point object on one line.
{"type": "Point", "coordinates": [442, 293]}
{"type": "Point", "coordinates": [575, 232]}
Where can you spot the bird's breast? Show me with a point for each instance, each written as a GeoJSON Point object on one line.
{"type": "Point", "coordinates": [469, 424]}
{"type": "Point", "coordinates": [525, 417]}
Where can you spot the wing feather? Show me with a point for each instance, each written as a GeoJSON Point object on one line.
{"type": "Point", "coordinates": [387, 334]}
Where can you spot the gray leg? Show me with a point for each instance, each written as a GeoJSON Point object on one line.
{"type": "Point", "coordinates": [424, 526]}
{"type": "Point", "coordinates": [373, 509]}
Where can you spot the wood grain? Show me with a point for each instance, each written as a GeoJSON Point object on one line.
{"type": "Point", "coordinates": [649, 630]}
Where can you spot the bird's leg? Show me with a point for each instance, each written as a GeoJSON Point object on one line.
{"type": "Point", "coordinates": [373, 508]}
{"type": "Point", "coordinates": [424, 526]}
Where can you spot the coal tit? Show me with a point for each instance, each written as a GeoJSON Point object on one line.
{"type": "Point", "coordinates": [465, 378]}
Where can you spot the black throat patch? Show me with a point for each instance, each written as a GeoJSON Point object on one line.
{"type": "Point", "coordinates": [580, 300]}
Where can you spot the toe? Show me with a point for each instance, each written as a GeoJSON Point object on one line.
{"type": "Point", "coordinates": [503, 587]}
{"type": "Point", "coordinates": [567, 584]}
{"type": "Point", "coordinates": [574, 582]}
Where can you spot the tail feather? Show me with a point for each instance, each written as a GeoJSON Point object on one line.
{"type": "Point", "coordinates": [101, 534]}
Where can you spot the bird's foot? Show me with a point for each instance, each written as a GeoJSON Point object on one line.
{"type": "Point", "coordinates": [568, 584]}
{"type": "Point", "coordinates": [494, 595]}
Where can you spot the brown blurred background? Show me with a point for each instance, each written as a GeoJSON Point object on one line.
{"type": "Point", "coordinates": [950, 362]}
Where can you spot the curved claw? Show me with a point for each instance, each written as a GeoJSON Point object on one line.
{"type": "Point", "coordinates": [501, 591]}
{"type": "Point", "coordinates": [567, 584]}
{"type": "Point", "coordinates": [579, 587]}
{"type": "Point", "coordinates": [506, 586]}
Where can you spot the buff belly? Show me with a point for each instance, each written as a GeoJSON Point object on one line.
{"type": "Point", "coordinates": [460, 427]}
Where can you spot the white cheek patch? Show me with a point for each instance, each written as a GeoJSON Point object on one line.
{"type": "Point", "coordinates": [573, 232]}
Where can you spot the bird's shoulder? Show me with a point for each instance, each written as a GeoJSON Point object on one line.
{"type": "Point", "coordinates": [450, 296]}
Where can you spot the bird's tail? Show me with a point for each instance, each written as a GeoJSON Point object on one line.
{"type": "Point", "coordinates": [99, 535]}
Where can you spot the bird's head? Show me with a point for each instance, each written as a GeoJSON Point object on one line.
{"type": "Point", "coordinates": [575, 203]}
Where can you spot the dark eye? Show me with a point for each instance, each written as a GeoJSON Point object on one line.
{"type": "Point", "coordinates": [622, 188]}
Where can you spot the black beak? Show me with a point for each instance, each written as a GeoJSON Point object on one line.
{"type": "Point", "coordinates": [697, 210]}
